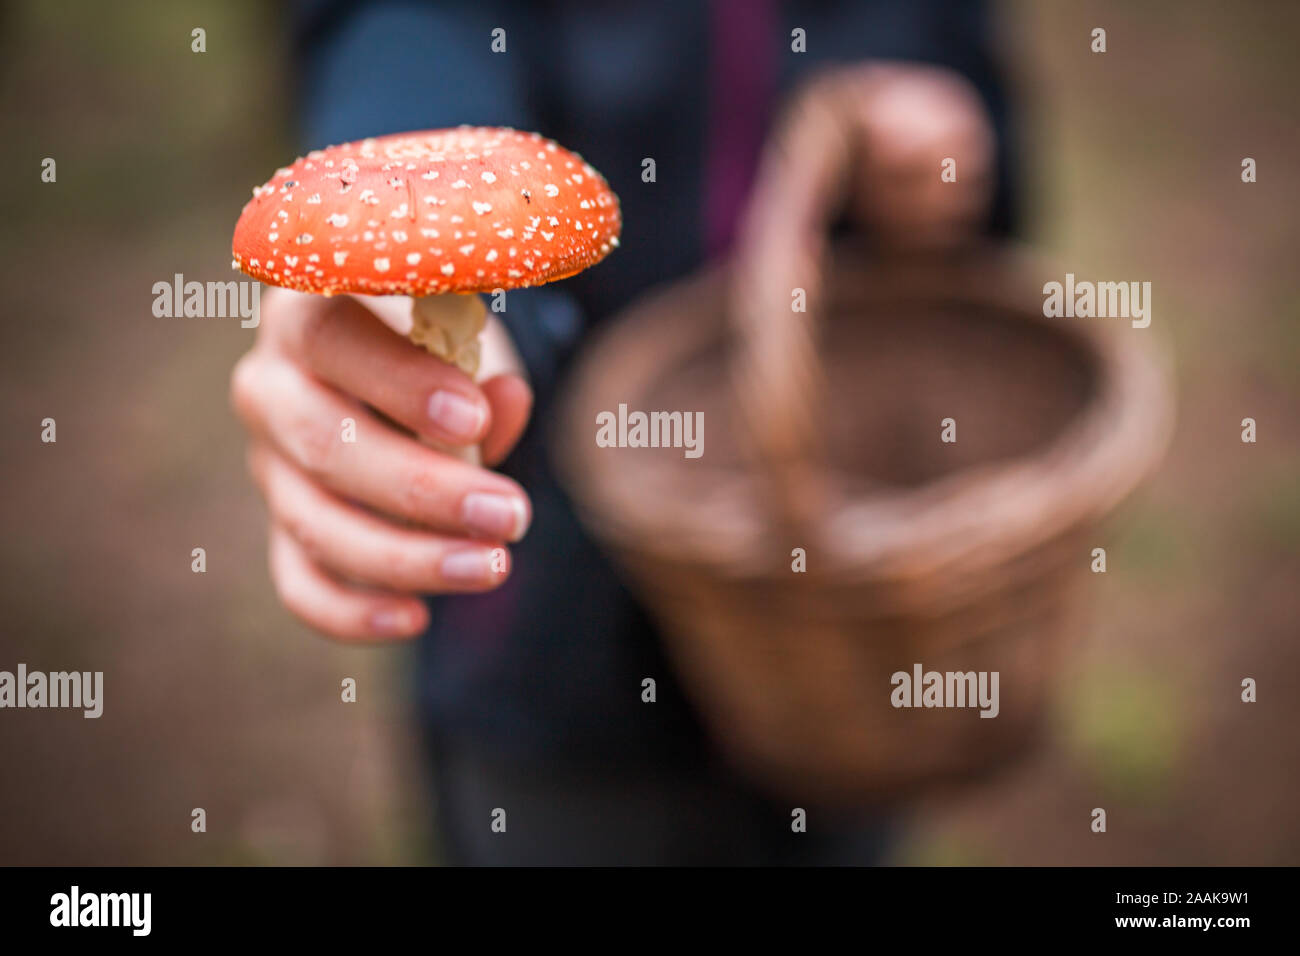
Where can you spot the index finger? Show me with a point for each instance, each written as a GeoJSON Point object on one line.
{"type": "Point", "coordinates": [341, 343]}
{"type": "Point", "coordinates": [392, 310]}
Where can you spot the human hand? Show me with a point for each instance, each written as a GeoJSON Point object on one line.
{"type": "Point", "coordinates": [360, 527]}
{"type": "Point", "coordinates": [913, 121]}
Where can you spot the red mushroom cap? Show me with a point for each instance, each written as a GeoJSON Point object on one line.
{"type": "Point", "coordinates": [471, 209]}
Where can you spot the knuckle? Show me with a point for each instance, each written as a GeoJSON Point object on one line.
{"type": "Point", "coordinates": [255, 464]}
{"type": "Point", "coordinates": [288, 590]}
{"type": "Point", "coordinates": [310, 324]}
{"type": "Point", "coordinates": [312, 443]}
{"type": "Point", "coordinates": [296, 603]}
{"type": "Point", "coordinates": [303, 532]}
{"type": "Point", "coordinates": [423, 492]}
{"type": "Point", "coordinates": [298, 523]}
{"type": "Point", "coordinates": [403, 567]}
{"type": "Point", "coordinates": [243, 386]}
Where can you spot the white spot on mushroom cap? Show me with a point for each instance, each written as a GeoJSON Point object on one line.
{"type": "Point", "coordinates": [381, 265]}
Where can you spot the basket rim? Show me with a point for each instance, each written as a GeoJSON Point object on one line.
{"type": "Point", "coordinates": [969, 520]}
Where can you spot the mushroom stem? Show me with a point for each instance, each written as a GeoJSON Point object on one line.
{"type": "Point", "coordinates": [448, 326]}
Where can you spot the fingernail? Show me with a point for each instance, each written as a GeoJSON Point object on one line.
{"type": "Point", "coordinates": [494, 516]}
{"type": "Point", "coordinates": [467, 567]}
{"type": "Point", "coordinates": [392, 622]}
{"type": "Point", "coordinates": [455, 414]}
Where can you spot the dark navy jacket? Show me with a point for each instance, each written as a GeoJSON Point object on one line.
{"type": "Point", "coordinates": [550, 666]}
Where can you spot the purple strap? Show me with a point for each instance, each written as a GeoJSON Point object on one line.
{"type": "Point", "coordinates": [741, 82]}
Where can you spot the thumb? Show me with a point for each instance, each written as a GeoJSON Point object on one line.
{"type": "Point", "coordinates": [511, 401]}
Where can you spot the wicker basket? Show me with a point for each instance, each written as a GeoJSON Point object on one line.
{"type": "Point", "coordinates": [962, 556]}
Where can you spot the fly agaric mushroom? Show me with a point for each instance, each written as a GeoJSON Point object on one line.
{"type": "Point", "coordinates": [439, 215]}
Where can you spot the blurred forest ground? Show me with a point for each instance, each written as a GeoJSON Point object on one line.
{"type": "Point", "coordinates": [216, 699]}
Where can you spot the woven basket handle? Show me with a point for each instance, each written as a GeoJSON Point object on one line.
{"type": "Point", "coordinates": [811, 168]}
{"type": "Point", "coordinates": [779, 258]}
